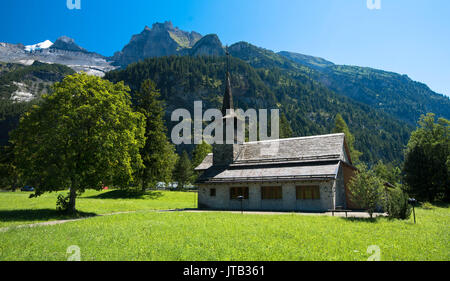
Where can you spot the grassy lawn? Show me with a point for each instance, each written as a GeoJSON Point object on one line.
{"type": "Point", "coordinates": [215, 235]}
{"type": "Point", "coordinates": [17, 209]}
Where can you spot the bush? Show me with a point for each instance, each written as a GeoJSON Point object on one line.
{"type": "Point", "coordinates": [366, 189]}
{"type": "Point", "coordinates": [397, 206]}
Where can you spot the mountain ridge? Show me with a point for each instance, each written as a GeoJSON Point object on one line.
{"type": "Point", "coordinates": [64, 51]}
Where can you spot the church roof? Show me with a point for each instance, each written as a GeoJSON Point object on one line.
{"type": "Point", "coordinates": [279, 172]}
{"type": "Point", "coordinates": [314, 157]}
{"type": "Point", "coordinates": [206, 163]}
{"type": "Point", "coordinates": [300, 148]}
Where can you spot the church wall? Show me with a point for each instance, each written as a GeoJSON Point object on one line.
{"type": "Point", "coordinates": [288, 202]}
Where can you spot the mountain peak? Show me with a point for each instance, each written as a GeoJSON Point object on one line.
{"type": "Point", "coordinates": [209, 45]}
{"type": "Point", "coordinates": [165, 25]}
{"type": "Point", "coordinates": [67, 44]}
{"type": "Point", "coordinates": [162, 39]}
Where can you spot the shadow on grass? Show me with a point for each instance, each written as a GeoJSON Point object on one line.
{"type": "Point", "coordinates": [127, 194]}
{"type": "Point", "coordinates": [40, 214]}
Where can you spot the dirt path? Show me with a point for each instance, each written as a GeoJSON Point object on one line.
{"type": "Point", "coordinates": [55, 222]}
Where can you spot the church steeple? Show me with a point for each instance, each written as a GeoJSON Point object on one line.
{"type": "Point", "coordinates": [228, 96]}
{"type": "Point", "coordinates": [224, 153]}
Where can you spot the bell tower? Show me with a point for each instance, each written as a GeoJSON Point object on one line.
{"type": "Point", "coordinates": [225, 153]}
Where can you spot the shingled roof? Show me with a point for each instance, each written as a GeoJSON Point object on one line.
{"type": "Point", "coordinates": [314, 157]}
{"type": "Point", "coordinates": [313, 147]}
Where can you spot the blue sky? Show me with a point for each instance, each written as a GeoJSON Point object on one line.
{"type": "Point", "coordinates": [406, 36]}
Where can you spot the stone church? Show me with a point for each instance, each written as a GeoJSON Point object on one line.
{"type": "Point", "coordinates": [294, 174]}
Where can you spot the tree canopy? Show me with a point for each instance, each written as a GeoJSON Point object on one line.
{"type": "Point", "coordinates": [427, 160]}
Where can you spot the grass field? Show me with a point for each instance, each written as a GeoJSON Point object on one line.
{"type": "Point", "coordinates": [215, 235]}
{"type": "Point", "coordinates": [17, 209]}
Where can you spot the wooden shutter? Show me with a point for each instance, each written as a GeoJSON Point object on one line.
{"type": "Point", "coordinates": [271, 192]}
{"type": "Point", "coordinates": [308, 192]}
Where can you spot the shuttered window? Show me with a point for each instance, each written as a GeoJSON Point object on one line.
{"type": "Point", "coordinates": [271, 192]}
{"type": "Point", "coordinates": [308, 192]}
{"type": "Point", "coordinates": [238, 191]}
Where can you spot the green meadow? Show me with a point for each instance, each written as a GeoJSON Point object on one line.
{"type": "Point", "coordinates": [150, 235]}
{"type": "Point", "coordinates": [16, 208]}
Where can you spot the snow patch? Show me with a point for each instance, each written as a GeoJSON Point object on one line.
{"type": "Point", "coordinates": [43, 45]}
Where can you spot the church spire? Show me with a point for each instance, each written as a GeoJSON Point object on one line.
{"type": "Point", "coordinates": [228, 96]}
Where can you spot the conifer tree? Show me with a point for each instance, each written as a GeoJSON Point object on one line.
{"type": "Point", "coordinates": [183, 171]}
{"type": "Point", "coordinates": [158, 154]}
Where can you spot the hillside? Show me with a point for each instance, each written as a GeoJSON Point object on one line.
{"type": "Point", "coordinates": [391, 92]}
{"type": "Point", "coordinates": [23, 83]}
{"type": "Point", "coordinates": [20, 88]}
{"type": "Point", "coordinates": [310, 61]}
{"type": "Point", "coordinates": [309, 106]}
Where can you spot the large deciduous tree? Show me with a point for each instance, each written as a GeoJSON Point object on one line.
{"type": "Point", "coordinates": [427, 160]}
{"type": "Point", "coordinates": [85, 134]}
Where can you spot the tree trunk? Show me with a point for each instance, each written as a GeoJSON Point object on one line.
{"type": "Point", "coordinates": [72, 197]}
